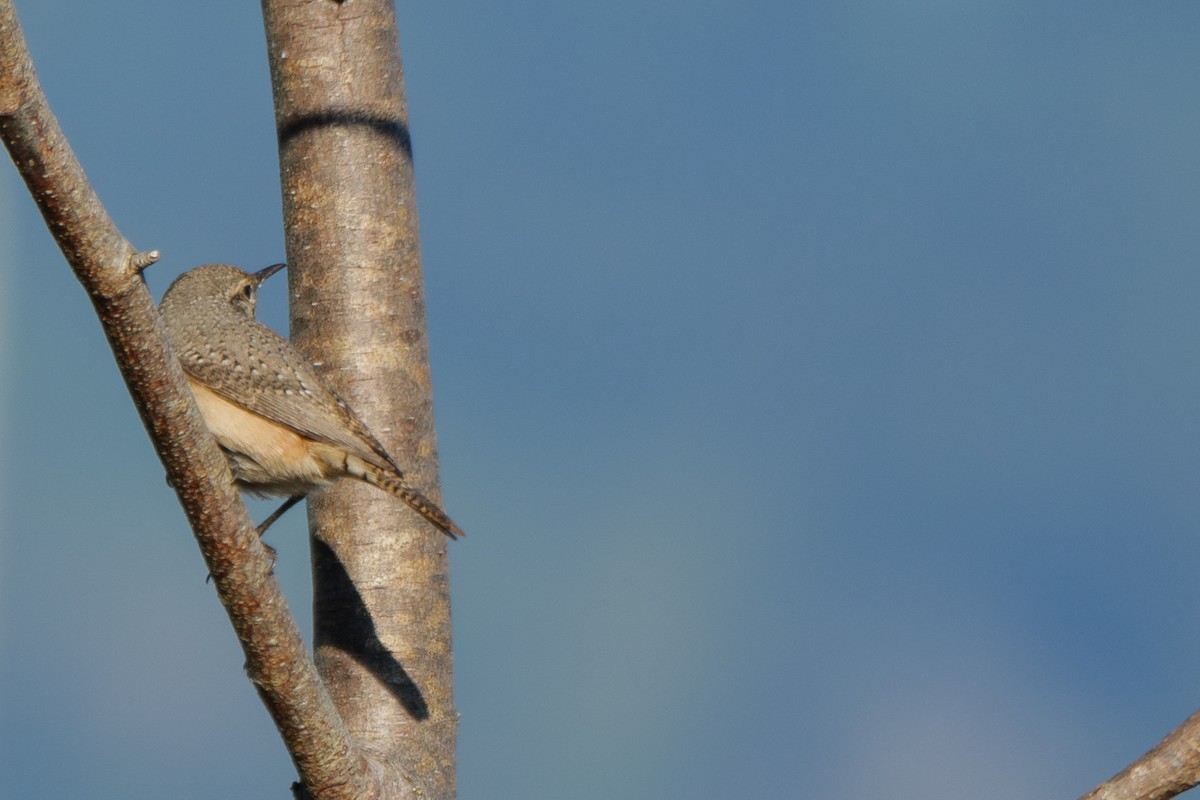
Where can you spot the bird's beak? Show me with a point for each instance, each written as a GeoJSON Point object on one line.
{"type": "Point", "coordinates": [263, 274]}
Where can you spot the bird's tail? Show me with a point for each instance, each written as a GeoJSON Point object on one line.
{"type": "Point", "coordinates": [396, 485]}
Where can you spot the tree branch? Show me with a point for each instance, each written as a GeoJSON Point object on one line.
{"type": "Point", "coordinates": [1171, 768]}
{"type": "Point", "coordinates": [381, 576]}
{"type": "Point", "coordinates": [109, 269]}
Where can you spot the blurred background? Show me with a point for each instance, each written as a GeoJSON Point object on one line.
{"type": "Point", "coordinates": [818, 383]}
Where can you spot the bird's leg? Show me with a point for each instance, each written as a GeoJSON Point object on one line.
{"type": "Point", "coordinates": [266, 523]}
{"type": "Point", "coordinates": [279, 512]}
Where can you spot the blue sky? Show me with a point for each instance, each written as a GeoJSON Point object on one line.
{"type": "Point", "coordinates": [818, 383]}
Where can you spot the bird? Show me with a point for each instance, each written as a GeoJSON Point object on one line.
{"type": "Point", "coordinates": [283, 431]}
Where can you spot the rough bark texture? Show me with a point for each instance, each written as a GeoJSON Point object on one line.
{"type": "Point", "coordinates": [381, 592]}
{"type": "Point", "coordinates": [1170, 769]}
{"type": "Point", "coordinates": [109, 269]}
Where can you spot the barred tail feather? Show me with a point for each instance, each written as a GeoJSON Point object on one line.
{"type": "Point", "coordinates": [397, 486]}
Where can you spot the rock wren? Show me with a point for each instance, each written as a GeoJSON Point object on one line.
{"type": "Point", "coordinates": [283, 431]}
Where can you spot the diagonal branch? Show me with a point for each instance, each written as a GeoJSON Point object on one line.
{"type": "Point", "coordinates": [1170, 769]}
{"type": "Point", "coordinates": [109, 269]}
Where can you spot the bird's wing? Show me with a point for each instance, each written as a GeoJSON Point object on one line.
{"type": "Point", "coordinates": [291, 394]}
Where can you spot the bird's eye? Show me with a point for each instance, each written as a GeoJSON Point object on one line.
{"type": "Point", "coordinates": [243, 298]}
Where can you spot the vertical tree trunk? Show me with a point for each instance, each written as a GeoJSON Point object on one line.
{"type": "Point", "coordinates": [381, 591]}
